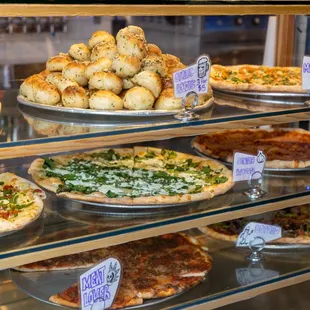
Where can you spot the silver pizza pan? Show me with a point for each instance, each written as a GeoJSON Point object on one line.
{"type": "Point", "coordinates": [226, 163]}
{"type": "Point", "coordinates": [42, 285]}
{"type": "Point", "coordinates": [127, 113]}
{"type": "Point", "coordinates": [131, 207]}
{"type": "Point", "coordinates": [275, 99]}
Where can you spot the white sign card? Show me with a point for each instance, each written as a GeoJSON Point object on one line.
{"type": "Point", "coordinates": [193, 78]}
{"type": "Point", "coordinates": [255, 230]}
{"type": "Point", "coordinates": [245, 166]}
{"type": "Point", "coordinates": [305, 73]}
{"type": "Point", "coordinates": [99, 285]}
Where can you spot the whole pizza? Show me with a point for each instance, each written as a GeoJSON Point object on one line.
{"type": "Point", "coordinates": [139, 175]}
{"type": "Point", "coordinates": [21, 202]}
{"type": "Point", "coordinates": [156, 267]}
{"type": "Point", "coordinates": [256, 78]}
{"type": "Point", "coordinates": [295, 224]}
{"type": "Point", "coordinates": [283, 148]}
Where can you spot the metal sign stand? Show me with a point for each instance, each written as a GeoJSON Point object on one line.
{"type": "Point", "coordinates": [255, 191]}
{"type": "Point", "coordinates": [256, 249]}
{"type": "Point", "coordinates": [187, 114]}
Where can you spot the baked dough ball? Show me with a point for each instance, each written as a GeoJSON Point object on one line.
{"type": "Point", "coordinates": [155, 64]}
{"type": "Point", "coordinates": [45, 93]}
{"type": "Point", "coordinates": [105, 100]}
{"type": "Point", "coordinates": [171, 60]}
{"type": "Point", "coordinates": [153, 50]}
{"type": "Point", "coordinates": [131, 29]}
{"type": "Point", "coordinates": [99, 65]}
{"type": "Point", "coordinates": [44, 73]}
{"type": "Point", "coordinates": [126, 66]}
{"type": "Point", "coordinates": [127, 83]}
{"type": "Point", "coordinates": [57, 63]}
{"type": "Point", "coordinates": [100, 37]}
{"type": "Point", "coordinates": [106, 81]}
{"type": "Point", "coordinates": [79, 52]}
{"type": "Point", "coordinates": [75, 97]}
{"type": "Point", "coordinates": [132, 44]}
{"type": "Point", "coordinates": [167, 101]}
{"type": "Point", "coordinates": [26, 87]}
{"type": "Point", "coordinates": [149, 80]}
{"type": "Point", "coordinates": [54, 78]}
{"type": "Point", "coordinates": [103, 49]}
{"type": "Point", "coordinates": [59, 81]}
{"type": "Point", "coordinates": [138, 98]}
{"type": "Point", "coordinates": [75, 71]}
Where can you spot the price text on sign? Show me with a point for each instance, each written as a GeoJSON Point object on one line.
{"type": "Point", "coordinates": [246, 165]}
{"type": "Point", "coordinates": [254, 230]}
{"type": "Point", "coordinates": [98, 285]}
{"type": "Point", "coordinates": [193, 78]}
{"type": "Point", "coordinates": [305, 73]}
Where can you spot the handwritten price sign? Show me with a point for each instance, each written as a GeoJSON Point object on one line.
{"type": "Point", "coordinates": [253, 230]}
{"type": "Point", "coordinates": [305, 73]}
{"type": "Point", "coordinates": [246, 165]}
{"type": "Point", "coordinates": [98, 285]}
{"type": "Point", "coordinates": [193, 78]}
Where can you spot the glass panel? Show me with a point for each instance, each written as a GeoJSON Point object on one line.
{"type": "Point", "coordinates": [231, 273]}
{"type": "Point", "coordinates": [66, 219]}
{"type": "Point", "coordinates": [227, 39]}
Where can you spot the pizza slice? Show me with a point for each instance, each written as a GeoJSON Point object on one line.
{"type": "Point", "coordinates": [21, 202]}
{"type": "Point", "coordinates": [149, 158]}
{"type": "Point", "coordinates": [127, 296]}
{"type": "Point", "coordinates": [122, 157]}
{"type": "Point", "coordinates": [83, 179]}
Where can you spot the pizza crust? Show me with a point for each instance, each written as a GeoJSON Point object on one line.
{"type": "Point", "coordinates": [216, 235]}
{"type": "Point", "coordinates": [60, 301]}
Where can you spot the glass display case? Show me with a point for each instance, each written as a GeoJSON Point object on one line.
{"type": "Point", "coordinates": [262, 33]}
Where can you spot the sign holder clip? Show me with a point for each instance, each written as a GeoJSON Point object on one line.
{"type": "Point", "coordinates": [256, 246]}
{"type": "Point", "coordinates": [187, 114]}
{"type": "Point", "coordinates": [255, 191]}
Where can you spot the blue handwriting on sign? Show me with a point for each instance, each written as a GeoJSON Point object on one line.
{"type": "Point", "coordinates": [306, 67]}
{"type": "Point", "coordinates": [246, 160]}
{"type": "Point", "coordinates": [266, 229]}
{"type": "Point", "coordinates": [245, 171]}
{"type": "Point", "coordinates": [94, 279]}
{"type": "Point", "coordinates": [100, 293]}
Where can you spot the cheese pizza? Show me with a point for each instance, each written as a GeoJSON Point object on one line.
{"type": "Point", "coordinates": [155, 267]}
{"type": "Point", "coordinates": [283, 148]}
{"type": "Point", "coordinates": [139, 175]}
{"type": "Point", "coordinates": [21, 202]}
{"type": "Point", "coordinates": [256, 78]}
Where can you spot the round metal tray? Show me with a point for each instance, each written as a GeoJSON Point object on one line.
{"type": "Point", "coordinates": [130, 207]}
{"type": "Point", "coordinates": [77, 111]}
{"type": "Point", "coordinates": [266, 169]}
{"type": "Point", "coordinates": [274, 99]}
{"type": "Point", "coordinates": [42, 285]}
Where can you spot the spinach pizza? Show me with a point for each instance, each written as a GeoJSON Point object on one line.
{"type": "Point", "coordinates": [139, 175]}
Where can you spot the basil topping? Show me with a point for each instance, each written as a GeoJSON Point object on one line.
{"type": "Point", "coordinates": [80, 175]}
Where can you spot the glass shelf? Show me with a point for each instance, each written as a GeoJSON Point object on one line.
{"type": "Point", "coordinates": [26, 126]}
{"type": "Point", "coordinates": [67, 226]}
{"type": "Point", "coordinates": [231, 277]}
